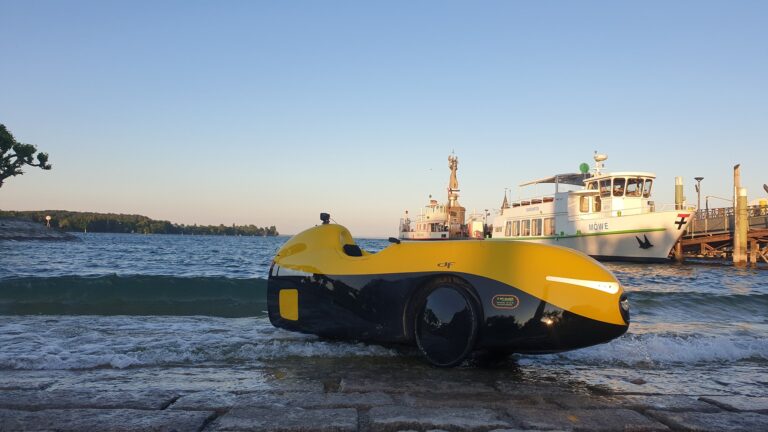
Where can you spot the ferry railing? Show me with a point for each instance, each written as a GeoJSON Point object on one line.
{"type": "Point", "coordinates": [633, 211]}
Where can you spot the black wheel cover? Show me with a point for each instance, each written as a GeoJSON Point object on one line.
{"type": "Point", "coordinates": [446, 325]}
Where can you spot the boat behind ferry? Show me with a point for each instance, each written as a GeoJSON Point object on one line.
{"type": "Point", "coordinates": [611, 217]}
{"type": "Point", "coordinates": [447, 221]}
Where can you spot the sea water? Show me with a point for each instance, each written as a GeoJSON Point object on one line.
{"type": "Point", "coordinates": [123, 301]}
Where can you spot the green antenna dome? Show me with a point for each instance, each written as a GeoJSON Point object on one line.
{"type": "Point", "coordinates": [584, 168]}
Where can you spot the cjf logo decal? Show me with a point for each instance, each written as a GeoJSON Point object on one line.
{"type": "Point", "coordinates": [505, 301]}
{"type": "Point", "coordinates": [680, 222]}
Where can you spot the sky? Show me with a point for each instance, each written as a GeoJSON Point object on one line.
{"type": "Point", "coordinates": [268, 113]}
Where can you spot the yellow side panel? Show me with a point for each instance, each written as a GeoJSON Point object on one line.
{"type": "Point", "coordinates": [289, 304]}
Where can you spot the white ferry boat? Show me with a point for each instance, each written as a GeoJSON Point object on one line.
{"type": "Point", "coordinates": [612, 216]}
{"type": "Point", "coordinates": [443, 221]}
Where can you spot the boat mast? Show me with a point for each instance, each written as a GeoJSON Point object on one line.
{"type": "Point", "coordinates": [455, 211]}
{"type": "Point", "coordinates": [453, 182]}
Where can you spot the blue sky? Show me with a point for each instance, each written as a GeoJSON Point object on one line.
{"type": "Point", "coordinates": [270, 112]}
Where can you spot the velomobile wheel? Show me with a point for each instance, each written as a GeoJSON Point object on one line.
{"type": "Point", "coordinates": [446, 324]}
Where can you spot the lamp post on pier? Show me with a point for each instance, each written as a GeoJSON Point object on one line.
{"type": "Point", "coordinates": [698, 201]}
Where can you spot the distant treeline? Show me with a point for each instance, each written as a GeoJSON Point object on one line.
{"type": "Point", "coordinates": [122, 223]}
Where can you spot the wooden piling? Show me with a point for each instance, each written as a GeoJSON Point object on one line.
{"type": "Point", "coordinates": [736, 185]}
{"type": "Point", "coordinates": [679, 193]}
{"type": "Point", "coordinates": [754, 252]}
{"type": "Point", "coordinates": [678, 252]}
{"type": "Point", "coordinates": [741, 221]}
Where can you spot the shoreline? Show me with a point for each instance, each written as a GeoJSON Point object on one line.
{"type": "Point", "coordinates": [15, 229]}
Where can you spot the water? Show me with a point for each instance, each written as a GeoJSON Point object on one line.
{"type": "Point", "coordinates": [126, 301]}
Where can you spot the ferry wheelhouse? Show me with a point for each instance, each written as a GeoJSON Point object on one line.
{"type": "Point", "coordinates": [611, 217]}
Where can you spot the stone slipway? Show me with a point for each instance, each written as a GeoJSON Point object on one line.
{"type": "Point", "coordinates": [336, 395]}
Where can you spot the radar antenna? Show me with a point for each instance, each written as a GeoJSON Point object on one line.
{"type": "Point", "coordinates": [599, 159]}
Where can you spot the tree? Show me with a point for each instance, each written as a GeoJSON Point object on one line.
{"type": "Point", "coordinates": [14, 155]}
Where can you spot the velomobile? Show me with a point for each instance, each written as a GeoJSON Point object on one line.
{"type": "Point", "coordinates": [450, 297]}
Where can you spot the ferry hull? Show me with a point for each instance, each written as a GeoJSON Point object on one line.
{"type": "Point", "coordinates": [646, 237]}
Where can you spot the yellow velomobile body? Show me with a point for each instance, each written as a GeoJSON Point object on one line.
{"type": "Point", "coordinates": [450, 297]}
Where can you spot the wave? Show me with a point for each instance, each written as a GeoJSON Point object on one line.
{"type": "Point", "coordinates": [734, 305]}
{"type": "Point", "coordinates": [649, 350]}
{"type": "Point", "coordinates": [232, 297]}
{"type": "Point", "coordinates": [133, 295]}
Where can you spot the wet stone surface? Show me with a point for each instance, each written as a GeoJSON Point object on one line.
{"type": "Point", "coordinates": [739, 403]}
{"type": "Point", "coordinates": [394, 418]}
{"type": "Point", "coordinates": [634, 402]}
{"type": "Point", "coordinates": [356, 385]}
{"type": "Point", "coordinates": [291, 419]}
{"type": "Point", "coordinates": [585, 420]}
{"type": "Point", "coordinates": [705, 422]}
{"type": "Point", "coordinates": [32, 400]}
{"type": "Point", "coordinates": [347, 395]}
{"type": "Point", "coordinates": [116, 420]}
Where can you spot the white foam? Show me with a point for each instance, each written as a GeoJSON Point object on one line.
{"type": "Point", "coordinates": [652, 349]}
{"type": "Point", "coordinates": [121, 342]}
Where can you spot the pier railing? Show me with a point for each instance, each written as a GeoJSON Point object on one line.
{"type": "Point", "coordinates": [721, 220]}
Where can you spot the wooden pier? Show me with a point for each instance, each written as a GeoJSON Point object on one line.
{"type": "Point", "coordinates": [712, 232]}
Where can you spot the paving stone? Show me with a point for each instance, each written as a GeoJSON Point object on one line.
{"type": "Point", "coordinates": [183, 380]}
{"type": "Point", "coordinates": [585, 420]}
{"type": "Point", "coordinates": [518, 388]}
{"type": "Point", "coordinates": [739, 403]}
{"type": "Point", "coordinates": [317, 400]}
{"type": "Point", "coordinates": [515, 430]}
{"type": "Point", "coordinates": [584, 401]}
{"type": "Point", "coordinates": [481, 400]}
{"type": "Point", "coordinates": [208, 400]}
{"type": "Point", "coordinates": [222, 401]}
{"type": "Point", "coordinates": [715, 422]}
{"type": "Point", "coordinates": [676, 403]}
{"type": "Point", "coordinates": [101, 420]}
{"type": "Point", "coordinates": [25, 380]}
{"type": "Point", "coordinates": [361, 385]}
{"type": "Point", "coordinates": [50, 399]}
{"type": "Point", "coordinates": [634, 402]}
{"type": "Point", "coordinates": [396, 418]}
{"type": "Point", "coordinates": [288, 420]}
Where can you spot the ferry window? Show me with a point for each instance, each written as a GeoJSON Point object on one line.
{"type": "Point", "coordinates": [525, 227]}
{"type": "Point", "coordinates": [618, 186]}
{"type": "Point", "coordinates": [584, 204]}
{"type": "Point", "coordinates": [549, 226]}
{"type": "Point", "coordinates": [647, 190]}
{"type": "Point", "coordinates": [634, 187]}
{"type": "Point", "coordinates": [605, 188]}
{"type": "Point", "coordinates": [536, 227]}
{"type": "Point", "coordinates": [516, 228]}
{"type": "Point", "coordinates": [508, 229]}
{"type": "Point", "coordinates": [592, 185]}
{"type": "Point", "coordinates": [597, 205]}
